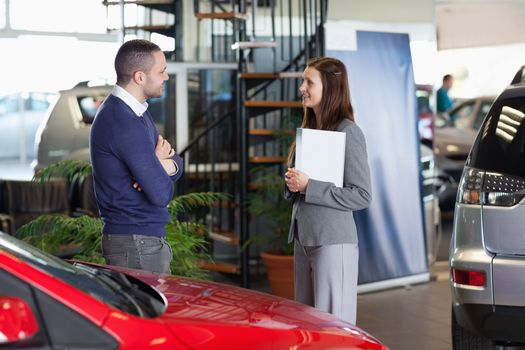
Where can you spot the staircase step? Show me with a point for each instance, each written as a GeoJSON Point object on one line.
{"type": "Point", "coordinates": [253, 45]}
{"type": "Point", "coordinates": [220, 267]}
{"type": "Point", "coordinates": [269, 132]}
{"type": "Point", "coordinates": [266, 76]}
{"type": "Point", "coordinates": [221, 15]}
{"type": "Point", "coordinates": [273, 104]}
{"type": "Point", "coordinates": [267, 159]}
{"type": "Point", "coordinates": [228, 237]}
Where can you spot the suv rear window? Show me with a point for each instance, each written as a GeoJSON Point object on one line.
{"type": "Point", "coordinates": [88, 106]}
{"type": "Point", "coordinates": [500, 145]}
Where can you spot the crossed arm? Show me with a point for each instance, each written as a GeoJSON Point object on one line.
{"type": "Point", "coordinates": [164, 153]}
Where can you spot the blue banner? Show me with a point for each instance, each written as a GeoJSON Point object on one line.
{"type": "Point", "coordinates": [391, 233]}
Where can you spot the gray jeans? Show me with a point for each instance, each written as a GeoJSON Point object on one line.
{"type": "Point", "coordinates": [149, 253]}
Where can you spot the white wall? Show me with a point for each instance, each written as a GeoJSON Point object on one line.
{"type": "Point", "coordinates": [382, 10]}
{"type": "Point", "coordinates": [478, 23]}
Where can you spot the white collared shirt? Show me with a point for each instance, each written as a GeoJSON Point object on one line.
{"type": "Point", "coordinates": [136, 106]}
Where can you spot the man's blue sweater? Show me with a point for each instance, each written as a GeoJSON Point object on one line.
{"type": "Point", "coordinates": [122, 147]}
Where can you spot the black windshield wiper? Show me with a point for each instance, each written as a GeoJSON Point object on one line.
{"type": "Point", "coordinates": [151, 305]}
{"type": "Point", "coordinates": [120, 285]}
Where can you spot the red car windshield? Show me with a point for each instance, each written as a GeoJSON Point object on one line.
{"type": "Point", "coordinates": [114, 288]}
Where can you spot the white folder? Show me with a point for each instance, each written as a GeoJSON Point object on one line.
{"type": "Point", "coordinates": [320, 154]}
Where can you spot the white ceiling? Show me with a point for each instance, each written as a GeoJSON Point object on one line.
{"type": "Point", "coordinates": [457, 23]}
{"type": "Point", "coordinates": [463, 24]}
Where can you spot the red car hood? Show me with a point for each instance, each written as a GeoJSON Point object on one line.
{"type": "Point", "coordinates": [192, 303]}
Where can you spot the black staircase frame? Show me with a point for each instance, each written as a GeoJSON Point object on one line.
{"type": "Point", "coordinates": [174, 7]}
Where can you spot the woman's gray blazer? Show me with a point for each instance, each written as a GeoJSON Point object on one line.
{"type": "Point", "coordinates": [324, 213]}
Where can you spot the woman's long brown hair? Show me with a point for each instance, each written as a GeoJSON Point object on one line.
{"type": "Point", "coordinates": [335, 102]}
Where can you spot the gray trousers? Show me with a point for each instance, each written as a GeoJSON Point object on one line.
{"type": "Point", "coordinates": [141, 252]}
{"type": "Point", "coordinates": [326, 278]}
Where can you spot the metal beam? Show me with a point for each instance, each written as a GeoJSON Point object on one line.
{"type": "Point", "coordinates": [15, 33]}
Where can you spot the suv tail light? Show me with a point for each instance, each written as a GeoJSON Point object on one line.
{"type": "Point", "coordinates": [469, 191]}
{"type": "Point", "coordinates": [479, 187]}
{"type": "Point", "coordinates": [470, 278]}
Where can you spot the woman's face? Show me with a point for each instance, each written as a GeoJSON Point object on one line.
{"type": "Point", "coordinates": [312, 88]}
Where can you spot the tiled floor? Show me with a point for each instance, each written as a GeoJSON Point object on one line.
{"type": "Point", "coordinates": [414, 317]}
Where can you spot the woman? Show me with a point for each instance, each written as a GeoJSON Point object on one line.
{"type": "Point", "coordinates": [322, 228]}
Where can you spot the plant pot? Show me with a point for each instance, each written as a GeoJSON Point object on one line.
{"type": "Point", "coordinates": [280, 273]}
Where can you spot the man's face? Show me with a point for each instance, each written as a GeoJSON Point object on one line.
{"type": "Point", "coordinates": [156, 77]}
{"type": "Point", "coordinates": [448, 83]}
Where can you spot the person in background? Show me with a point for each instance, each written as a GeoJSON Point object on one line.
{"type": "Point", "coordinates": [134, 168]}
{"type": "Point", "coordinates": [444, 102]}
{"type": "Point", "coordinates": [322, 227]}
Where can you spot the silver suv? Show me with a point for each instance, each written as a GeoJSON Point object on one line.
{"type": "Point", "coordinates": [64, 132]}
{"type": "Point", "coordinates": [487, 252]}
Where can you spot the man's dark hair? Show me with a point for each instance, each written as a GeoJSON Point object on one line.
{"type": "Point", "coordinates": [133, 56]}
{"type": "Point", "coordinates": [447, 77]}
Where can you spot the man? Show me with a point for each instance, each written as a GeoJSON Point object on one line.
{"type": "Point", "coordinates": [444, 102]}
{"type": "Point", "coordinates": [133, 166]}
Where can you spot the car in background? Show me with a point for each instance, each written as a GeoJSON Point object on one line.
{"type": "Point", "coordinates": [20, 116]}
{"type": "Point", "coordinates": [430, 202]}
{"type": "Point", "coordinates": [452, 143]}
{"type": "Point", "coordinates": [64, 132]}
{"type": "Point", "coordinates": [487, 252]}
{"type": "Point", "coordinates": [426, 116]}
{"type": "Point", "coordinates": [49, 303]}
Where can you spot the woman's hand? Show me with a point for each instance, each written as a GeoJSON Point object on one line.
{"type": "Point", "coordinates": [296, 180]}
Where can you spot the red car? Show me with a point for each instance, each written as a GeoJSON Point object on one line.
{"type": "Point", "coordinates": [47, 303]}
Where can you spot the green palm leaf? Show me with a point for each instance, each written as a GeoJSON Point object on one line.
{"type": "Point", "coordinates": [67, 169]}
{"type": "Point", "coordinates": [56, 233]}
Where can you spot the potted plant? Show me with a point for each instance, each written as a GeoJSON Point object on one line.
{"type": "Point", "coordinates": [57, 233]}
{"type": "Point", "coordinates": [266, 200]}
